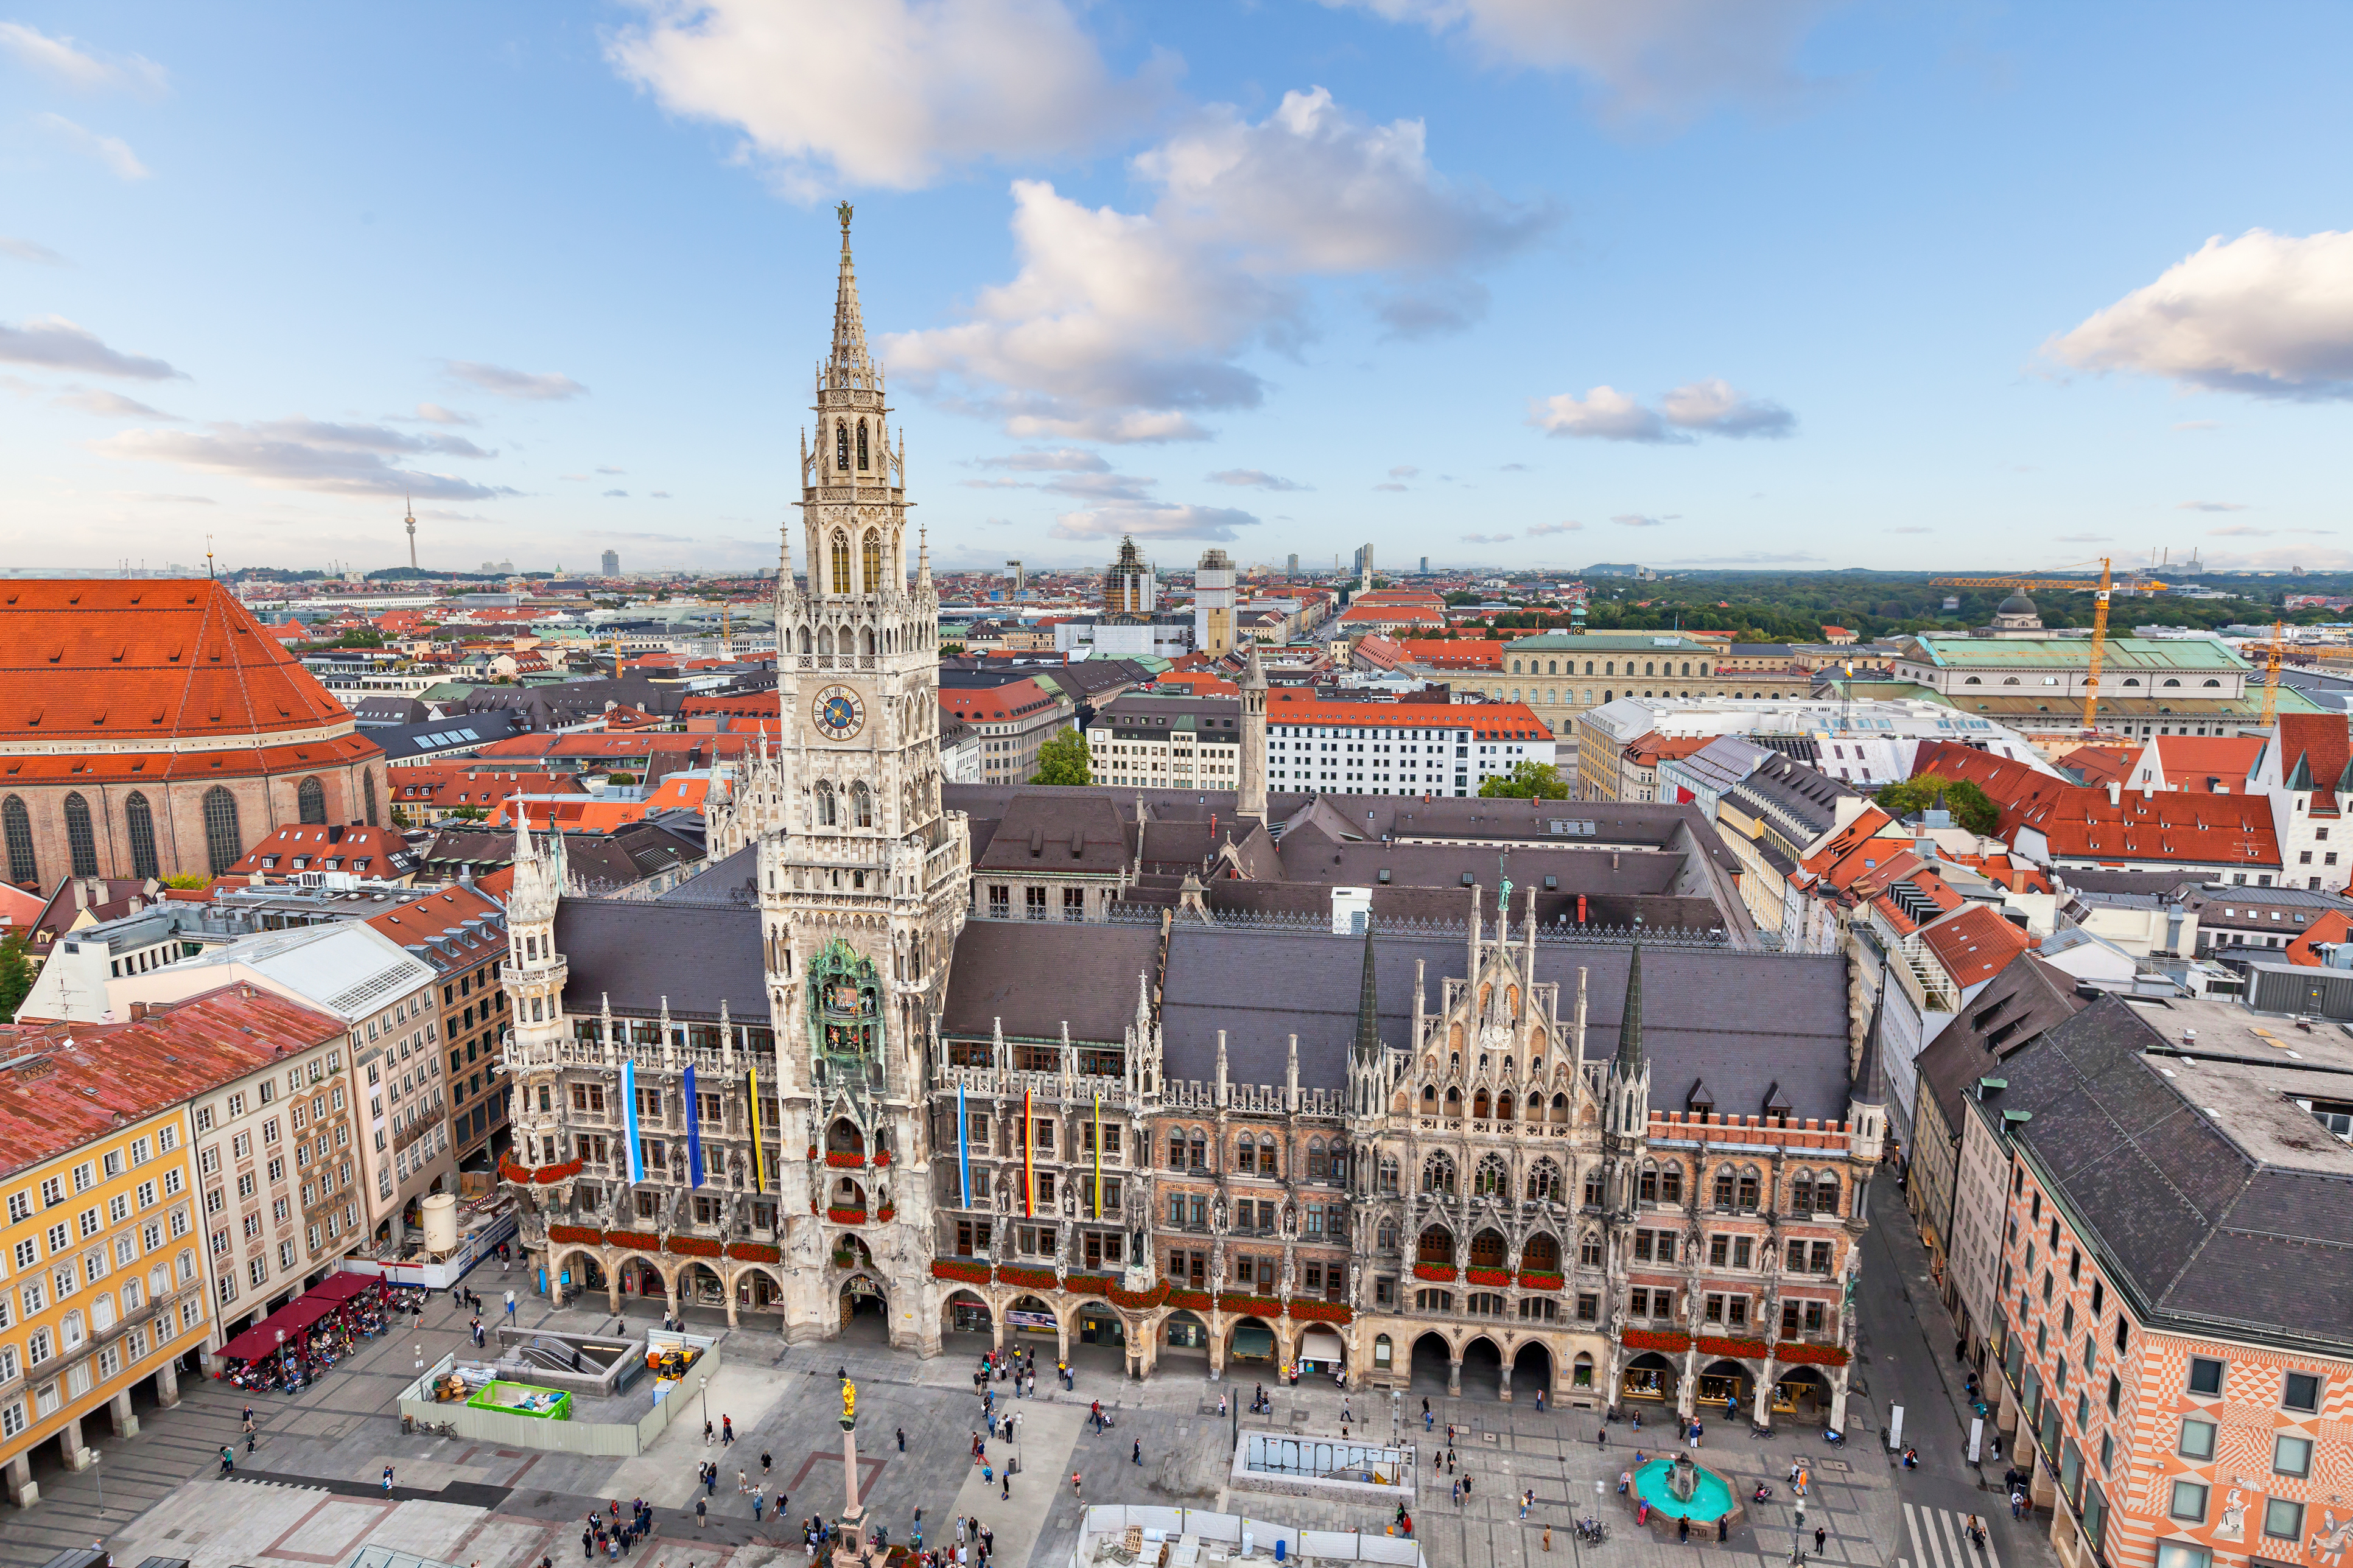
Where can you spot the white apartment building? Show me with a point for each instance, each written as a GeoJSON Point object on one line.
{"type": "Point", "coordinates": [1167, 742]}
{"type": "Point", "coordinates": [1398, 747]}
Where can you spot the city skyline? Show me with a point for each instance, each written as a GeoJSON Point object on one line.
{"type": "Point", "coordinates": [1806, 285]}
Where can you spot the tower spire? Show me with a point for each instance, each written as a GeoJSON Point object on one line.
{"type": "Point", "coordinates": [849, 325]}
{"type": "Point", "coordinates": [1630, 1023]}
{"type": "Point", "coordinates": [1368, 1006]}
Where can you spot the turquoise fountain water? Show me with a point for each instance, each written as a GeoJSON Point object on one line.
{"type": "Point", "coordinates": [1710, 1500]}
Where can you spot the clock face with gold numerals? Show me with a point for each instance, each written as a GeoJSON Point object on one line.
{"type": "Point", "coordinates": [837, 713]}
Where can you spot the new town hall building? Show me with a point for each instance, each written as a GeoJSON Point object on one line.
{"type": "Point", "coordinates": [1506, 1092]}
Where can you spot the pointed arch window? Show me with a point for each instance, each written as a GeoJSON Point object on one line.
{"type": "Point", "coordinates": [1826, 1193]}
{"type": "Point", "coordinates": [81, 842]}
{"type": "Point", "coordinates": [862, 803]}
{"type": "Point", "coordinates": [861, 446]}
{"type": "Point", "coordinates": [840, 584]}
{"type": "Point", "coordinates": [842, 445]}
{"type": "Point", "coordinates": [141, 820]}
{"type": "Point", "coordinates": [311, 802]}
{"type": "Point", "coordinates": [222, 845]}
{"type": "Point", "coordinates": [1491, 1180]}
{"type": "Point", "coordinates": [870, 549]}
{"type": "Point", "coordinates": [1544, 1182]}
{"type": "Point", "coordinates": [824, 815]}
{"type": "Point", "coordinates": [16, 826]}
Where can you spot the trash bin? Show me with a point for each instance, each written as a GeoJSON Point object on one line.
{"type": "Point", "coordinates": [1279, 1545]}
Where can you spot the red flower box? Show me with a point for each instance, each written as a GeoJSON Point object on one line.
{"type": "Point", "coordinates": [584, 1233]}
{"type": "Point", "coordinates": [1189, 1300]}
{"type": "Point", "coordinates": [754, 1252]}
{"type": "Point", "coordinates": [969, 1270]}
{"type": "Point", "coordinates": [1087, 1284]}
{"type": "Point", "coordinates": [1251, 1306]}
{"type": "Point", "coordinates": [632, 1238]}
{"type": "Point", "coordinates": [1534, 1281]}
{"type": "Point", "coordinates": [1138, 1300]}
{"type": "Point", "coordinates": [1442, 1271]}
{"type": "Point", "coordinates": [542, 1175]}
{"type": "Point", "coordinates": [1797, 1352]}
{"type": "Point", "coordinates": [1035, 1279]}
{"type": "Point", "coordinates": [812, 1152]}
{"type": "Point", "coordinates": [692, 1246]}
{"type": "Point", "coordinates": [1655, 1340]}
{"type": "Point", "coordinates": [1713, 1344]}
{"type": "Point", "coordinates": [886, 1213]}
{"type": "Point", "coordinates": [1321, 1312]}
{"type": "Point", "coordinates": [1491, 1275]}
{"type": "Point", "coordinates": [881, 1156]}
{"type": "Point", "coordinates": [844, 1161]}
{"type": "Point", "coordinates": [846, 1216]}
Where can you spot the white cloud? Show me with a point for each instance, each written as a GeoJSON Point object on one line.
{"type": "Point", "coordinates": [1390, 485]}
{"type": "Point", "coordinates": [621, 493]}
{"type": "Point", "coordinates": [612, 470]}
{"type": "Point", "coordinates": [110, 405]}
{"type": "Point", "coordinates": [1636, 519]}
{"type": "Point", "coordinates": [1661, 59]}
{"type": "Point", "coordinates": [56, 343]}
{"type": "Point", "coordinates": [30, 250]}
{"type": "Point", "coordinates": [660, 494]}
{"type": "Point", "coordinates": [111, 150]}
{"type": "Point", "coordinates": [303, 454]}
{"type": "Point", "coordinates": [1567, 526]}
{"type": "Point", "coordinates": [1603, 414]}
{"type": "Point", "coordinates": [1710, 407]}
{"type": "Point", "coordinates": [1153, 519]}
{"type": "Point", "coordinates": [2265, 313]}
{"type": "Point", "coordinates": [1128, 326]}
{"type": "Point", "coordinates": [1404, 471]}
{"type": "Point", "coordinates": [885, 92]}
{"type": "Point", "coordinates": [434, 413]}
{"type": "Point", "coordinates": [1256, 479]}
{"type": "Point", "coordinates": [1060, 460]}
{"type": "Point", "coordinates": [67, 61]}
{"type": "Point", "coordinates": [1101, 486]}
{"type": "Point", "coordinates": [2249, 531]}
{"type": "Point", "coordinates": [530, 386]}
{"type": "Point", "coordinates": [2211, 506]}
{"type": "Point", "coordinates": [1486, 539]}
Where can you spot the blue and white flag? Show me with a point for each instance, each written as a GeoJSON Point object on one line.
{"type": "Point", "coordinates": [963, 1148]}
{"type": "Point", "coordinates": [693, 1134]}
{"type": "Point", "coordinates": [630, 1120]}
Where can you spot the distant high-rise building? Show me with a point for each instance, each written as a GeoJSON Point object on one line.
{"type": "Point", "coordinates": [1129, 587]}
{"type": "Point", "coordinates": [1213, 604]}
{"type": "Point", "coordinates": [1363, 568]}
{"type": "Point", "coordinates": [612, 564]}
{"type": "Point", "coordinates": [1425, 565]}
{"type": "Point", "coordinates": [1292, 569]}
{"type": "Point", "coordinates": [411, 521]}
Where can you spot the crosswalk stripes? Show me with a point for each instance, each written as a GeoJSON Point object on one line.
{"type": "Point", "coordinates": [1940, 1540]}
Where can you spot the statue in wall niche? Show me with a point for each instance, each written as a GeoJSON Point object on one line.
{"type": "Point", "coordinates": [1618, 1321]}
{"type": "Point", "coordinates": [1289, 1273]}
{"type": "Point", "coordinates": [1356, 1284]}
{"type": "Point", "coordinates": [1289, 1222]}
{"type": "Point", "coordinates": [678, 1163]}
{"type": "Point", "coordinates": [1218, 1213]}
{"type": "Point", "coordinates": [1218, 1266]}
{"type": "Point", "coordinates": [1069, 1200]}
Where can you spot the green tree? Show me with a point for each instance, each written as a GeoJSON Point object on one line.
{"type": "Point", "coordinates": [187, 881]}
{"type": "Point", "coordinates": [1528, 780]}
{"type": "Point", "coordinates": [1971, 806]}
{"type": "Point", "coordinates": [16, 974]}
{"type": "Point", "coordinates": [1063, 760]}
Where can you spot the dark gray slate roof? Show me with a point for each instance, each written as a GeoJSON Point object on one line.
{"type": "Point", "coordinates": [1743, 1021]}
{"type": "Point", "coordinates": [2196, 1225]}
{"type": "Point", "coordinates": [1038, 976]}
{"type": "Point", "coordinates": [637, 954]}
{"type": "Point", "coordinates": [2027, 998]}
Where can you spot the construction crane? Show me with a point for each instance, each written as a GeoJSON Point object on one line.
{"type": "Point", "coordinates": [2272, 652]}
{"type": "Point", "coordinates": [2073, 585]}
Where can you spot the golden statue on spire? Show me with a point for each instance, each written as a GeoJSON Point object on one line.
{"type": "Point", "coordinates": [843, 212]}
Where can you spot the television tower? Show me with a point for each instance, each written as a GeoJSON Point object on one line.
{"type": "Point", "coordinates": [411, 504]}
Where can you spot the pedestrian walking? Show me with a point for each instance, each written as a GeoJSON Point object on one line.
{"type": "Point", "coordinates": [1457, 1493]}
{"type": "Point", "coordinates": [765, 1462]}
{"type": "Point", "coordinates": [1005, 1485]}
{"type": "Point", "coordinates": [1682, 1531]}
{"type": "Point", "coordinates": [727, 1431]}
{"type": "Point", "coordinates": [510, 1305]}
{"type": "Point", "coordinates": [700, 1513]}
{"type": "Point", "coordinates": [1821, 1534]}
{"type": "Point", "coordinates": [1074, 1483]}
{"type": "Point", "coordinates": [387, 1481]}
{"type": "Point", "coordinates": [1526, 1499]}
{"type": "Point", "coordinates": [587, 1543]}
{"type": "Point", "coordinates": [706, 1430]}
{"type": "Point", "coordinates": [1547, 1538]}
{"type": "Point", "coordinates": [1723, 1529]}
{"type": "Point", "coordinates": [228, 1459]}
{"type": "Point", "coordinates": [742, 1483]}
{"type": "Point", "coordinates": [903, 1449]}
{"type": "Point", "coordinates": [1138, 1455]}
{"type": "Point", "coordinates": [759, 1496]}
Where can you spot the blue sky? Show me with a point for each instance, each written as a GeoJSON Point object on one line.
{"type": "Point", "coordinates": [1510, 282]}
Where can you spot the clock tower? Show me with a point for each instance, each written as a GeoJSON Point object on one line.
{"type": "Point", "coordinates": [862, 875]}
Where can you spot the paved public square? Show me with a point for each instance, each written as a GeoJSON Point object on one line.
{"type": "Point", "coordinates": [311, 1492]}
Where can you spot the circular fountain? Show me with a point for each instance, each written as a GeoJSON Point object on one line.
{"type": "Point", "coordinates": [1681, 1488]}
